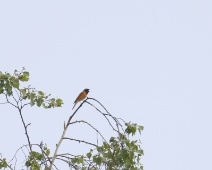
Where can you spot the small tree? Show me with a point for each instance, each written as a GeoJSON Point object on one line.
{"type": "Point", "coordinates": [119, 152]}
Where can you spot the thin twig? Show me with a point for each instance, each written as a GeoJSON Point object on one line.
{"type": "Point", "coordinates": [19, 97]}
{"type": "Point", "coordinates": [114, 118]}
{"type": "Point", "coordinates": [25, 128]}
{"type": "Point", "coordinates": [9, 101]}
{"type": "Point", "coordinates": [4, 103]}
{"type": "Point", "coordinates": [82, 121]}
{"type": "Point", "coordinates": [17, 152]}
{"type": "Point", "coordinates": [69, 163]}
{"type": "Point", "coordinates": [103, 115]}
{"type": "Point", "coordinates": [25, 105]}
{"type": "Point", "coordinates": [77, 140]}
{"type": "Point", "coordinates": [15, 99]}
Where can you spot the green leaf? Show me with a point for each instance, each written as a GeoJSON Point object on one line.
{"type": "Point", "coordinates": [26, 73]}
{"type": "Point", "coordinates": [37, 155]}
{"type": "Point", "coordinates": [112, 139]}
{"type": "Point", "coordinates": [41, 93]}
{"type": "Point", "coordinates": [32, 96]}
{"type": "Point", "coordinates": [24, 78]}
{"type": "Point", "coordinates": [45, 106]}
{"type": "Point", "coordinates": [140, 128]}
{"type": "Point", "coordinates": [80, 160]}
{"type": "Point", "coordinates": [7, 75]}
{"type": "Point", "coordinates": [2, 84]}
{"type": "Point", "coordinates": [140, 152]}
{"type": "Point", "coordinates": [15, 83]}
{"type": "Point", "coordinates": [39, 101]}
{"type": "Point", "coordinates": [97, 160]}
{"type": "Point", "coordinates": [47, 152]}
{"type": "Point", "coordinates": [59, 102]}
{"type": "Point", "coordinates": [8, 88]}
{"type": "Point", "coordinates": [3, 164]}
{"type": "Point", "coordinates": [28, 163]}
{"type": "Point", "coordinates": [74, 160]}
{"type": "Point", "coordinates": [99, 149]}
{"type": "Point", "coordinates": [89, 155]}
{"type": "Point", "coordinates": [1, 91]}
{"type": "Point", "coordinates": [23, 92]}
{"type": "Point", "coordinates": [52, 100]}
{"type": "Point", "coordinates": [106, 146]}
{"type": "Point", "coordinates": [32, 99]}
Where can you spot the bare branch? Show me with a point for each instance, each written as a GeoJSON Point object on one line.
{"type": "Point", "coordinates": [25, 128]}
{"type": "Point", "coordinates": [9, 101]}
{"type": "Point", "coordinates": [103, 115]}
{"type": "Point", "coordinates": [67, 154]}
{"type": "Point", "coordinates": [114, 118]}
{"type": "Point", "coordinates": [15, 99]}
{"type": "Point", "coordinates": [19, 109]}
{"type": "Point", "coordinates": [19, 96]}
{"type": "Point", "coordinates": [25, 105]}
{"type": "Point", "coordinates": [17, 152]}
{"type": "Point", "coordinates": [63, 134]}
{"type": "Point", "coordinates": [100, 104]}
{"type": "Point", "coordinates": [82, 121]}
{"type": "Point", "coordinates": [28, 125]}
{"type": "Point", "coordinates": [106, 115]}
{"type": "Point", "coordinates": [77, 140]}
{"type": "Point", "coordinates": [69, 163]}
{"type": "Point", "coordinates": [4, 103]}
{"type": "Point", "coordinates": [24, 153]}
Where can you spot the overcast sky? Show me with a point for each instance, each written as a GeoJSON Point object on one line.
{"type": "Point", "coordinates": [148, 62]}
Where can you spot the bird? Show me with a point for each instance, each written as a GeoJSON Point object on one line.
{"type": "Point", "coordinates": [81, 97]}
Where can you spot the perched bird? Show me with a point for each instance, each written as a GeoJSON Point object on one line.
{"type": "Point", "coordinates": [81, 96]}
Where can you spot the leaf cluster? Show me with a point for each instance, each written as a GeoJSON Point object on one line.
{"type": "Point", "coordinates": [3, 163]}
{"type": "Point", "coordinates": [10, 86]}
{"type": "Point", "coordinates": [119, 153]}
{"type": "Point", "coordinates": [36, 160]}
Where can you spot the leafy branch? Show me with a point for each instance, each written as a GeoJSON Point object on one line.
{"type": "Point", "coordinates": [119, 152]}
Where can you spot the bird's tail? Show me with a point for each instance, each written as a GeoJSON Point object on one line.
{"type": "Point", "coordinates": [74, 105]}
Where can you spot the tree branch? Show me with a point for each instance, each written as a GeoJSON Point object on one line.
{"type": "Point", "coordinates": [81, 141]}
{"type": "Point", "coordinates": [63, 134]}
{"type": "Point", "coordinates": [9, 101]}
{"type": "Point", "coordinates": [15, 99]}
{"type": "Point", "coordinates": [82, 121]}
{"type": "Point", "coordinates": [114, 118]}
{"type": "Point", "coordinates": [25, 128]}
{"type": "Point", "coordinates": [4, 103]}
{"type": "Point", "coordinates": [25, 105]}
{"type": "Point", "coordinates": [69, 163]}
{"type": "Point", "coordinates": [103, 115]}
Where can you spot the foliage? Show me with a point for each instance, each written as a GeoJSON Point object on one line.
{"type": "Point", "coordinates": [3, 163]}
{"type": "Point", "coordinates": [10, 84]}
{"type": "Point", "coordinates": [119, 152]}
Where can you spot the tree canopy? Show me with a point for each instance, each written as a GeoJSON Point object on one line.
{"type": "Point", "coordinates": [119, 152]}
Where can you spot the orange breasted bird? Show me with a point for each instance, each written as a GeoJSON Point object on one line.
{"type": "Point", "coordinates": [81, 96]}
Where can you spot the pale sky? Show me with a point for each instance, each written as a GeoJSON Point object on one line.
{"type": "Point", "coordinates": [148, 62]}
